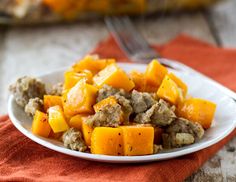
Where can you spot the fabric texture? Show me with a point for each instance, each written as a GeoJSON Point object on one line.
{"type": "Point", "coordinates": [23, 160]}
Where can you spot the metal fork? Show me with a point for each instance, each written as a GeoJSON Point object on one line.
{"type": "Point", "coordinates": [133, 43]}
{"type": "Point", "coordinates": [130, 40]}
{"type": "Point", "coordinates": [138, 50]}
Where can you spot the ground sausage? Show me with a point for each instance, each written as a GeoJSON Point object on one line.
{"type": "Point", "coordinates": [108, 115]}
{"type": "Point", "coordinates": [34, 105]}
{"type": "Point", "coordinates": [182, 132]}
{"type": "Point", "coordinates": [125, 106]}
{"type": "Point", "coordinates": [107, 91]}
{"type": "Point", "coordinates": [72, 139]}
{"type": "Point", "coordinates": [122, 97]}
{"type": "Point", "coordinates": [141, 101]}
{"type": "Point", "coordinates": [26, 88]}
{"type": "Point", "coordinates": [57, 89]}
{"type": "Point", "coordinates": [160, 114]}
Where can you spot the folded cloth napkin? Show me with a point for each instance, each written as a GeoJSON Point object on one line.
{"type": "Point", "coordinates": [23, 160]}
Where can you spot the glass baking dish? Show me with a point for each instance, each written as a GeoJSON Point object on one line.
{"type": "Point", "coordinates": [49, 11]}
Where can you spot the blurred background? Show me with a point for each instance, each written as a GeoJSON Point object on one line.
{"type": "Point", "coordinates": [38, 36]}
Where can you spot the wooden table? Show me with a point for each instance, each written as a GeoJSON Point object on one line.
{"type": "Point", "coordinates": [34, 50]}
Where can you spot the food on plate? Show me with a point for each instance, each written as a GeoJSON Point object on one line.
{"type": "Point", "coordinates": [101, 109]}
{"type": "Point", "coordinates": [40, 125]}
{"type": "Point", "coordinates": [198, 110]}
{"type": "Point", "coordinates": [57, 120]}
{"type": "Point", "coordinates": [181, 132]}
{"type": "Point", "coordinates": [34, 104]}
{"type": "Point", "coordinates": [27, 88]}
{"type": "Point", "coordinates": [79, 99]}
{"type": "Point", "coordinates": [73, 139]}
{"type": "Point", "coordinates": [33, 11]}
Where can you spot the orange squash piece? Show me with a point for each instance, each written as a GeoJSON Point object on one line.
{"type": "Point", "coordinates": [87, 132]}
{"type": "Point", "coordinates": [77, 120]}
{"type": "Point", "coordinates": [155, 73]}
{"type": "Point", "coordinates": [72, 77]}
{"type": "Point", "coordinates": [168, 90]}
{"type": "Point", "coordinates": [179, 83]}
{"type": "Point", "coordinates": [99, 6]}
{"type": "Point", "coordinates": [138, 79]}
{"type": "Point", "coordinates": [198, 110]}
{"type": "Point", "coordinates": [140, 82]}
{"type": "Point", "coordinates": [55, 135]}
{"type": "Point", "coordinates": [108, 101]}
{"type": "Point", "coordinates": [114, 76]}
{"type": "Point", "coordinates": [40, 125]}
{"type": "Point", "coordinates": [69, 9]}
{"type": "Point", "coordinates": [92, 63]}
{"type": "Point", "coordinates": [57, 119]}
{"type": "Point", "coordinates": [51, 100]}
{"type": "Point", "coordinates": [107, 141]}
{"type": "Point", "coordinates": [137, 140]}
{"type": "Point", "coordinates": [80, 99]}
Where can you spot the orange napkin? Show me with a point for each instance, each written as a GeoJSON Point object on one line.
{"type": "Point", "coordinates": [23, 160]}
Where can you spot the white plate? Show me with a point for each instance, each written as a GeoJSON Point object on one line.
{"type": "Point", "coordinates": [224, 121]}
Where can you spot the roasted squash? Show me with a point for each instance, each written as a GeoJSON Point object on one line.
{"type": "Point", "coordinates": [137, 140]}
{"type": "Point", "coordinates": [72, 77]}
{"type": "Point", "coordinates": [140, 82]}
{"type": "Point", "coordinates": [155, 73]}
{"type": "Point", "coordinates": [108, 101]}
{"type": "Point", "coordinates": [179, 83]}
{"type": "Point", "coordinates": [55, 135]}
{"type": "Point", "coordinates": [51, 100]}
{"type": "Point", "coordinates": [87, 132]}
{"type": "Point", "coordinates": [107, 141]}
{"type": "Point", "coordinates": [40, 125]}
{"type": "Point", "coordinates": [138, 79]}
{"type": "Point", "coordinates": [92, 63]}
{"type": "Point", "coordinates": [168, 90]}
{"type": "Point", "coordinates": [57, 119]}
{"type": "Point", "coordinates": [114, 76]}
{"type": "Point", "coordinates": [80, 99]}
{"type": "Point", "coordinates": [77, 120]}
{"type": "Point", "coordinates": [198, 110]}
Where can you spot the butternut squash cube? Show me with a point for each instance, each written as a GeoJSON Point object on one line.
{"type": "Point", "coordinates": [155, 73]}
{"type": "Point", "coordinates": [137, 140]}
{"type": "Point", "coordinates": [57, 119]}
{"type": "Point", "coordinates": [77, 120]}
{"type": "Point", "coordinates": [108, 101]}
{"type": "Point", "coordinates": [40, 125]}
{"type": "Point", "coordinates": [92, 63]}
{"type": "Point", "coordinates": [138, 79]}
{"type": "Point", "coordinates": [51, 100]}
{"type": "Point", "coordinates": [140, 82]}
{"type": "Point", "coordinates": [168, 90]}
{"type": "Point", "coordinates": [55, 135]}
{"type": "Point", "coordinates": [198, 110]}
{"type": "Point", "coordinates": [179, 83]}
{"type": "Point", "coordinates": [114, 76]}
{"type": "Point", "coordinates": [72, 77]}
{"type": "Point", "coordinates": [87, 132]}
{"type": "Point", "coordinates": [107, 141]}
{"type": "Point", "coordinates": [80, 99]}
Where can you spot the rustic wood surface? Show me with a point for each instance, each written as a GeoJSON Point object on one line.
{"type": "Point", "coordinates": [35, 50]}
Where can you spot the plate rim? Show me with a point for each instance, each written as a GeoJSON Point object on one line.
{"type": "Point", "coordinates": [107, 158]}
